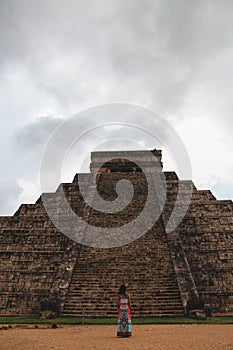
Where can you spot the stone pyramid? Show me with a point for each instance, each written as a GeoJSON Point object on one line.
{"type": "Point", "coordinates": [164, 270]}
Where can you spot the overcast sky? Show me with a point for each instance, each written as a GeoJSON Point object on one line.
{"type": "Point", "coordinates": [58, 57]}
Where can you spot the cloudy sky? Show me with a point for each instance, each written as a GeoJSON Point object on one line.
{"type": "Point", "coordinates": [60, 57]}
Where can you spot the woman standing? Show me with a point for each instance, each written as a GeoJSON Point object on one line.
{"type": "Point", "coordinates": [124, 328]}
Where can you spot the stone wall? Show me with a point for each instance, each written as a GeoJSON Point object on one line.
{"type": "Point", "coordinates": [207, 236]}
{"type": "Point", "coordinates": [36, 261]}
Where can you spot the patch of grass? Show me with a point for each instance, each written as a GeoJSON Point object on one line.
{"type": "Point", "coordinates": [111, 320]}
{"type": "Point", "coordinates": [182, 320]}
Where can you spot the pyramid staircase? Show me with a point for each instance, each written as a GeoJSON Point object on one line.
{"type": "Point", "coordinates": [145, 265]}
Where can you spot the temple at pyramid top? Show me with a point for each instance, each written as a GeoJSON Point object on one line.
{"type": "Point", "coordinates": [118, 161]}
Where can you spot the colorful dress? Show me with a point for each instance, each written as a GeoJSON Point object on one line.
{"type": "Point", "coordinates": [124, 328]}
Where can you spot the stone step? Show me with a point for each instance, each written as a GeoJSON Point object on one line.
{"type": "Point", "coordinates": [145, 305]}
{"type": "Point", "coordinates": [162, 313]}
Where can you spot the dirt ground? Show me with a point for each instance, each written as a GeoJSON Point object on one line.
{"type": "Point", "coordinates": [151, 337]}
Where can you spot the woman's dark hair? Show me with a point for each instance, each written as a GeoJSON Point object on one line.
{"type": "Point", "coordinates": [122, 289]}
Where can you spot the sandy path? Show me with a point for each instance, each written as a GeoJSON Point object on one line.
{"type": "Point", "coordinates": [151, 337]}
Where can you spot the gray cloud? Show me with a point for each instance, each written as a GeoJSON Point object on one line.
{"type": "Point", "coordinates": [21, 161]}
{"type": "Point", "coordinates": [58, 57]}
{"type": "Point", "coordinates": [155, 49]}
{"type": "Point", "coordinates": [9, 191]}
{"type": "Point", "coordinates": [28, 145]}
{"type": "Point", "coordinates": [34, 135]}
